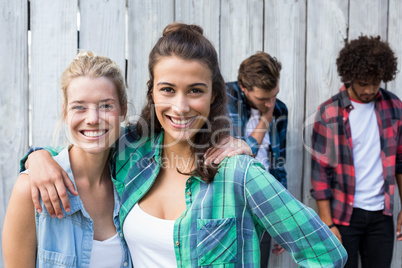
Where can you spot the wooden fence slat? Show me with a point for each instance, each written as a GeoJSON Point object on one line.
{"type": "Point", "coordinates": [327, 23]}
{"type": "Point", "coordinates": [368, 17]}
{"type": "Point", "coordinates": [395, 39]}
{"type": "Point", "coordinates": [146, 21]}
{"type": "Point", "coordinates": [102, 29]}
{"type": "Point", "coordinates": [14, 97]}
{"type": "Point", "coordinates": [54, 45]}
{"type": "Point", "coordinates": [203, 13]}
{"type": "Point", "coordinates": [241, 30]}
{"type": "Point", "coordinates": [284, 38]}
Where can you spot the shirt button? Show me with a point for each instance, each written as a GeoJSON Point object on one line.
{"type": "Point", "coordinates": [121, 234]}
{"type": "Point", "coordinates": [188, 193]}
{"type": "Point", "coordinates": [125, 264]}
{"type": "Point", "coordinates": [184, 215]}
{"type": "Point", "coordinates": [344, 118]}
{"type": "Point", "coordinates": [177, 243]}
{"type": "Point", "coordinates": [189, 181]}
{"type": "Point", "coordinates": [350, 107]}
{"type": "Point", "coordinates": [351, 203]}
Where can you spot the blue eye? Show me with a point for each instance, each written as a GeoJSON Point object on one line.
{"type": "Point", "coordinates": [78, 108]}
{"type": "Point", "coordinates": [107, 107]}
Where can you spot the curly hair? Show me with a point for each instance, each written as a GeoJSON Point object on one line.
{"type": "Point", "coordinates": [259, 70]}
{"type": "Point", "coordinates": [188, 42]}
{"type": "Point", "coordinates": [366, 58]}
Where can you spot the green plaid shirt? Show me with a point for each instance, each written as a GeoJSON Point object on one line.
{"type": "Point", "coordinates": [223, 220]}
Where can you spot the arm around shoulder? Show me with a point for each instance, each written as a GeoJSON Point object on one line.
{"type": "Point", "coordinates": [19, 231]}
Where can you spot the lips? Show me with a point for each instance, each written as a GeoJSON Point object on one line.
{"type": "Point", "coordinates": [180, 122]}
{"type": "Point", "coordinates": [93, 133]}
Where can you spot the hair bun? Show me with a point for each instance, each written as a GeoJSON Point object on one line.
{"type": "Point", "coordinates": [176, 27]}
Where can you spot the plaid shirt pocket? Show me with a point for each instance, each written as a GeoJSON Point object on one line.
{"type": "Point", "coordinates": [216, 241]}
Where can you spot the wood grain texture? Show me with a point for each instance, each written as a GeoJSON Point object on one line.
{"type": "Point", "coordinates": [14, 97]}
{"type": "Point", "coordinates": [241, 31]}
{"type": "Point", "coordinates": [327, 24]}
{"type": "Point", "coordinates": [285, 39]}
{"type": "Point", "coordinates": [204, 13]}
{"type": "Point", "coordinates": [368, 17]}
{"type": "Point", "coordinates": [146, 21]}
{"type": "Point", "coordinates": [395, 86]}
{"type": "Point", "coordinates": [102, 29]}
{"type": "Point", "coordinates": [54, 45]}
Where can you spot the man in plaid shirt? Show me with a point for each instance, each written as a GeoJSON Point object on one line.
{"type": "Point", "coordinates": [260, 119]}
{"type": "Point", "coordinates": [357, 154]}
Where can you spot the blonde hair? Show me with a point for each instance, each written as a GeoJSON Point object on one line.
{"type": "Point", "coordinates": [87, 64]}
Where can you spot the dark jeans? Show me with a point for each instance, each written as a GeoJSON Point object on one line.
{"type": "Point", "coordinates": [372, 234]}
{"type": "Point", "coordinates": [265, 249]}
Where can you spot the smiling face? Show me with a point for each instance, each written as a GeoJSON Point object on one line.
{"type": "Point", "coordinates": [364, 91]}
{"type": "Point", "coordinates": [182, 95]}
{"type": "Point", "coordinates": [93, 113]}
{"type": "Point", "coordinates": [260, 99]}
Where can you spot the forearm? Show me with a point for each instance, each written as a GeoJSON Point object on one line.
{"type": "Point", "coordinates": [260, 130]}
{"type": "Point", "coordinates": [24, 162]}
{"type": "Point", "coordinates": [324, 211]}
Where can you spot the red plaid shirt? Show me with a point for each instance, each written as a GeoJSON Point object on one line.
{"type": "Point", "coordinates": [333, 173]}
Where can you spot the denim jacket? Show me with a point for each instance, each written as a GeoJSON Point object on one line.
{"type": "Point", "coordinates": [67, 242]}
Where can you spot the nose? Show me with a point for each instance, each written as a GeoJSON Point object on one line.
{"type": "Point", "coordinates": [92, 116]}
{"type": "Point", "coordinates": [369, 89]}
{"type": "Point", "coordinates": [181, 104]}
{"type": "Point", "coordinates": [270, 103]}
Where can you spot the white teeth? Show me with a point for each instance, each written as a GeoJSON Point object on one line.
{"type": "Point", "coordinates": [94, 133]}
{"type": "Point", "coordinates": [180, 122]}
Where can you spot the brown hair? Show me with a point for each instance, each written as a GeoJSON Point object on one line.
{"type": "Point", "coordinates": [187, 42]}
{"type": "Point", "coordinates": [87, 64]}
{"type": "Point", "coordinates": [368, 59]}
{"type": "Point", "coordinates": [260, 70]}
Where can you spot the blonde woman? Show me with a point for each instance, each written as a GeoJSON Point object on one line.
{"type": "Point", "coordinates": [89, 235]}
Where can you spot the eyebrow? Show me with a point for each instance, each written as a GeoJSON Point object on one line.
{"type": "Point", "coordinates": [80, 101]}
{"type": "Point", "coordinates": [191, 85]}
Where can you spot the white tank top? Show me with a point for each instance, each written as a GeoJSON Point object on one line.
{"type": "Point", "coordinates": [149, 239]}
{"type": "Point", "coordinates": [106, 253]}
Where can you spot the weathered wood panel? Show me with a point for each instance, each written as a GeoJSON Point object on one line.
{"type": "Point", "coordinates": [327, 23]}
{"type": "Point", "coordinates": [368, 17]}
{"type": "Point", "coordinates": [54, 45]}
{"type": "Point", "coordinates": [285, 39]}
{"type": "Point", "coordinates": [241, 30]}
{"type": "Point", "coordinates": [395, 39]}
{"type": "Point", "coordinates": [146, 20]}
{"type": "Point", "coordinates": [102, 29]}
{"type": "Point", "coordinates": [203, 13]}
{"type": "Point", "coordinates": [14, 97]}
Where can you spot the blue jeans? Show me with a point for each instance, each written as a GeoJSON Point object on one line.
{"type": "Point", "coordinates": [372, 234]}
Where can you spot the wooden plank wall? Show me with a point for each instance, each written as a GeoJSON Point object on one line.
{"type": "Point", "coordinates": [305, 36]}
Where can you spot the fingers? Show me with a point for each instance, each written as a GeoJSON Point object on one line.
{"type": "Point", "coordinates": [35, 199]}
{"type": "Point", "coordinates": [46, 201]}
{"type": "Point", "coordinates": [242, 150]}
{"type": "Point", "coordinates": [398, 227]}
{"type": "Point", "coordinates": [221, 154]}
{"type": "Point", "coordinates": [210, 155]}
{"type": "Point", "coordinates": [278, 250]}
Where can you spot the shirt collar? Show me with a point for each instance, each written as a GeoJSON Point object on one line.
{"type": "Point", "coordinates": [344, 96]}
